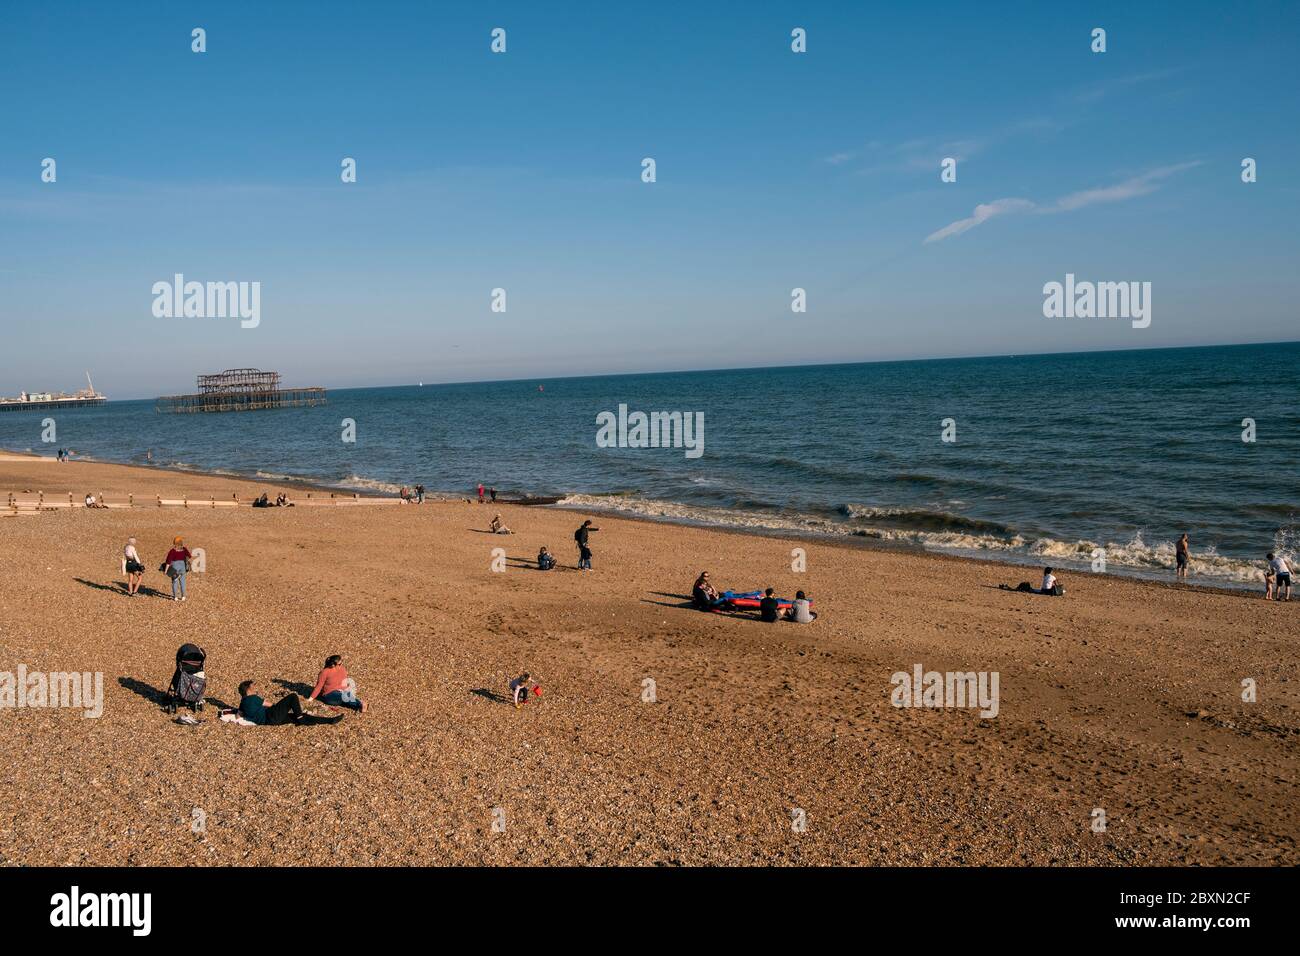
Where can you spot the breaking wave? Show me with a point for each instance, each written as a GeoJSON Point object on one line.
{"type": "Point", "coordinates": [951, 533]}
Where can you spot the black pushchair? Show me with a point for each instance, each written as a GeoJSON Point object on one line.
{"type": "Point", "coordinates": [189, 681]}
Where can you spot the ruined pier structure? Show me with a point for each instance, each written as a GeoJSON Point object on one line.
{"type": "Point", "coordinates": [241, 390]}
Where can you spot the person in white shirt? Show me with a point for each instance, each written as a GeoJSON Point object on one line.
{"type": "Point", "coordinates": [1282, 574]}
{"type": "Point", "coordinates": [132, 567]}
{"type": "Point", "coordinates": [1049, 581]}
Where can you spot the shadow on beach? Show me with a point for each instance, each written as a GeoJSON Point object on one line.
{"type": "Point", "coordinates": [119, 587]}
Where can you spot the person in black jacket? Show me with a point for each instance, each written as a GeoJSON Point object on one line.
{"type": "Point", "coordinates": [584, 552]}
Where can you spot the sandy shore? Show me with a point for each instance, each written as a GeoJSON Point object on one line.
{"type": "Point", "coordinates": [1123, 697]}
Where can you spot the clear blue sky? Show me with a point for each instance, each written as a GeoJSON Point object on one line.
{"type": "Point", "coordinates": [522, 171]}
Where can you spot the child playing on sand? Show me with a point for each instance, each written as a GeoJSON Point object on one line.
{"type": "Point", "coordinates": [545, 560]}
{"type": "Point", "coordinates": [519, 689]}
{"type": "Point", "coordinates": [1282, 574]}
{"type": "Point", "coordinates": [334, 688]}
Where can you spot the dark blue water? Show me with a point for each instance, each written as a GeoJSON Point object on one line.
{"type": "Point", "coordinates": [1055, 455]}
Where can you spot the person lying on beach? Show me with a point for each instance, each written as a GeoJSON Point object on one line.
{"type": "Point", "coordinates": [519, 689]}
{"type": "Point", "coordinates": [262, 502]}
{"type": "Point", "coordinates": [545, 560]}
{"type": "Point", "coordinates": [497, 527]}
{"type": "Point", "coordinates": [132, 566]}
{"type": "Point", "coordinates": [703, 594]}
{"type": "Point", "coordinates": [769, 609]}
{"type": "Point", "coordinates": [334, 688]}
{"type": "Point", "coordinates": [1282, 574]}
{"type": "Point", "coordinates": [800, 611]}
{"type": "Point", "coordinates": [287, 710]}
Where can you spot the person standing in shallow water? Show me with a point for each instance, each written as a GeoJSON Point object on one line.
{"type": "Point", "coordinates": [1181, 557]}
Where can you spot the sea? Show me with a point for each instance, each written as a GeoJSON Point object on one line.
{"type": "Point", "coordinates": [1036, 459]}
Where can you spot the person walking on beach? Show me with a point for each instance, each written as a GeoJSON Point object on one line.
{"type": "Point", "coordinates": [1181, 556]}
{"type": "Point", "coordinates": [480, 492]}
{"type": "Point", "coordinates": [334, 688]}
{"type": "Point", "coordinates": [177, 565]}
{"type": "Point", "coordinates": [1282, 576]}
{"type": "Point", "coordinates": [419, 494]}
{"type": "Point", "coordinates": [493, 493]}
{"type": "Point", "coordinates": [133, 566]}
{"type": "Point", "coordinates": [584, 552]}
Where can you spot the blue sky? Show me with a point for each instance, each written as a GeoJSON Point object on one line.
{"type": "Point", "coordinates": [522, 171]}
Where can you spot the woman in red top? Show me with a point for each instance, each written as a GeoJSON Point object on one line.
{"type": "Point", "coordinates": [335, 688]}
{"type": "Point", "coordinates": [177, 564]}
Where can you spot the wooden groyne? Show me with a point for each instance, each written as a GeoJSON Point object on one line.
{"type": "Point", "coordinates": [34, 502]}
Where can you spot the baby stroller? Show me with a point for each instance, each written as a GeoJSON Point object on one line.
{"type": "Point", "coordinates": [189, 681]}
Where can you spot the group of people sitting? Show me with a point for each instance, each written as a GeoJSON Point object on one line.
{"type": "Point", "coordinates": [333, 688]}
{"type": "Point", "coordinates": [281, 501]}
{"type": "Point", "coordinates": [770, 608]}
{"type": "Point", "coordinates": [93, 502]}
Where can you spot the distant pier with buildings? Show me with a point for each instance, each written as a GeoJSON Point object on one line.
{"type": "Point", "coordinates": [42, 401]}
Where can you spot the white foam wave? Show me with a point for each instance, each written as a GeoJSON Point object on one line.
{"type": "Point", "coordinates": [1135, 555]}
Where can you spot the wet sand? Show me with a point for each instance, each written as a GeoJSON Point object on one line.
{"type": "Point", "coordinates": [1123, 697]}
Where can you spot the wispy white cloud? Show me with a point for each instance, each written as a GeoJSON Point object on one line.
{"type": "Point", "coordinates": [983, 213]}
{"type": "Point", "coordinates": [1130, 188]}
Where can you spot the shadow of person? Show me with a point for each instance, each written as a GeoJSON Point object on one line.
{"type": "Point", "coordinates": [147, 691]}
{"type": "Point", "coordinates": [117, 587]}
{"type": "Point", "coordinates": [491, 695]}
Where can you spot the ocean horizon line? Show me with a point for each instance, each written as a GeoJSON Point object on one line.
{"type": "Point", "coordinates": [773, 368]}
